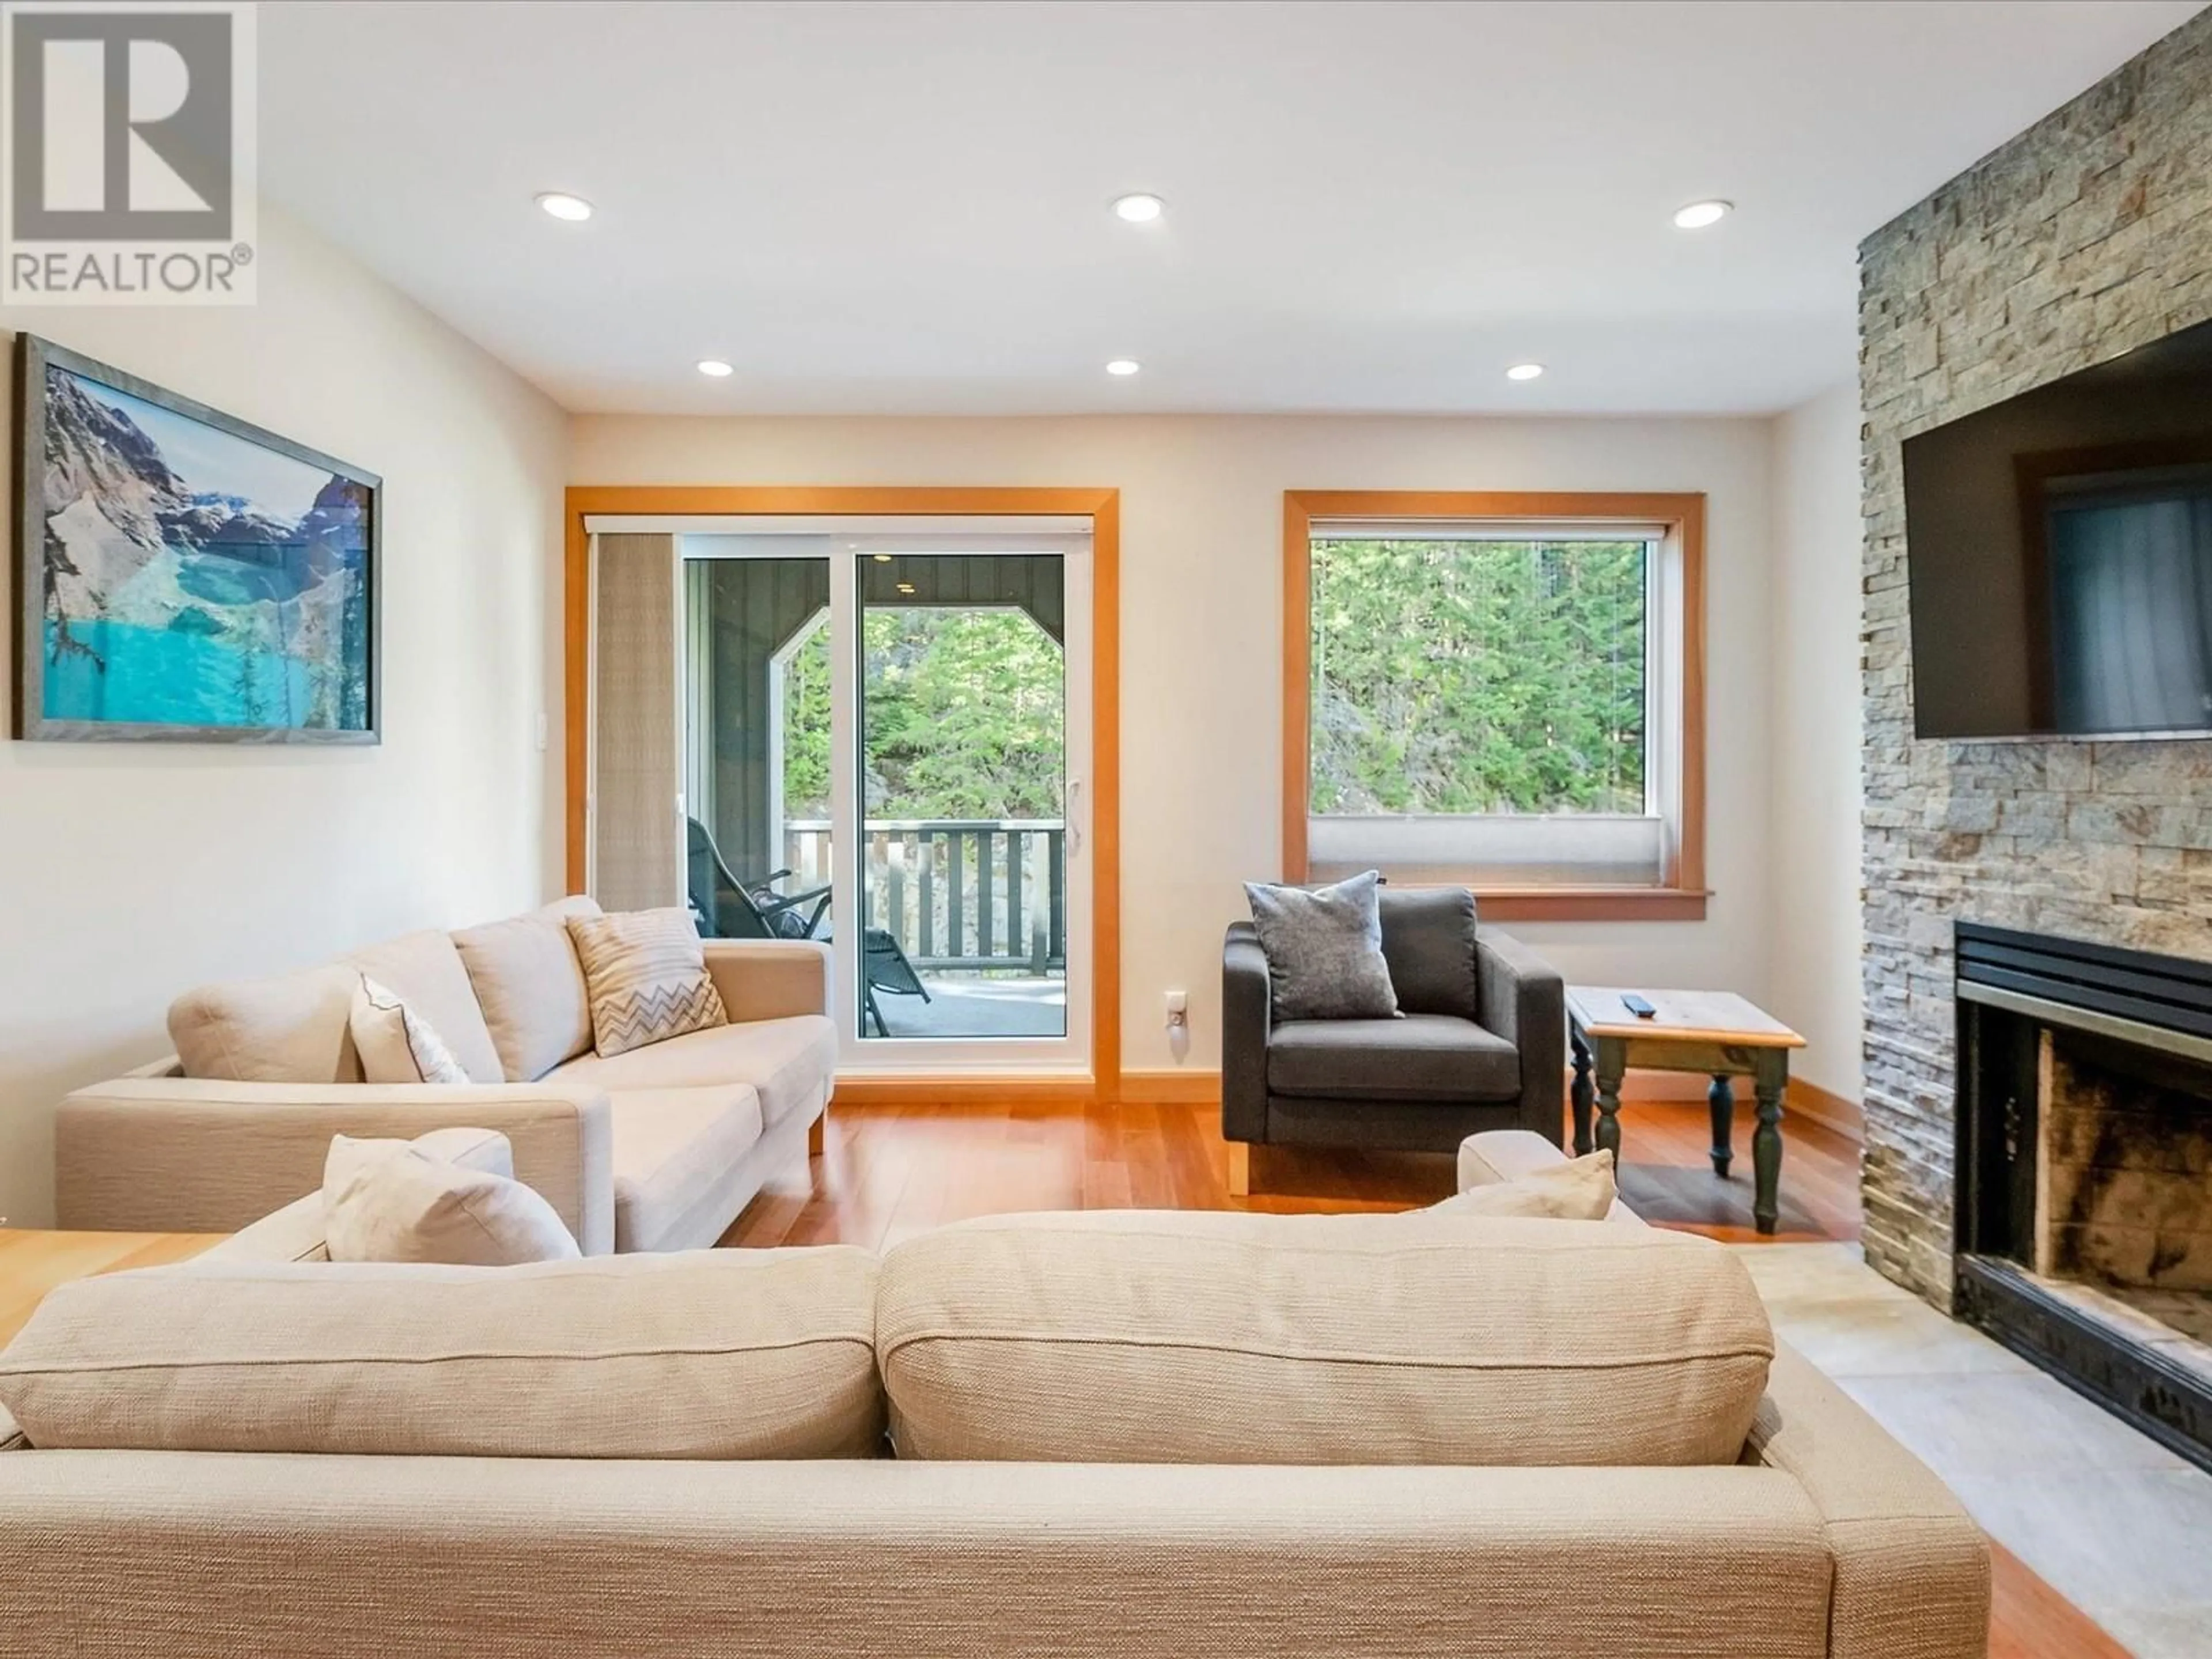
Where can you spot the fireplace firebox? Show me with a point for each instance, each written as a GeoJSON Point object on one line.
{"type": "Point", "coordinates": [2084, 1224]}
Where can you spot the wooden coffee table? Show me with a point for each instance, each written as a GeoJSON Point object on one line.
{"type": "Point", "coordinates": [33, 1260]}
{"type": "Point", "coordinates": [1714, 1033]}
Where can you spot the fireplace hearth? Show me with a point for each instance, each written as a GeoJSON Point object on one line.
{"type": "Point", "coordinates": [2084, 1221]}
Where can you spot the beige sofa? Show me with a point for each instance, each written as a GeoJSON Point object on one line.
{"type": "Point", "coordinates": [658, 1149]}
{"type": "Point", "coordinates": [217, 1476]}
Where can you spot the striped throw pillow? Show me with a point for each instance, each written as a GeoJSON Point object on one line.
{"type": "Point", "coordinates": [647, 976]}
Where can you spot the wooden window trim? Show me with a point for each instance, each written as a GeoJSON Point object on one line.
{"type": "Point", "coordinates": [1104, 508]}
{"type": "Point", "coordinates": [1681, 896]}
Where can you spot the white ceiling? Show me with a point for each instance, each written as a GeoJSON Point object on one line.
{"type": "Point", "coordinates": [903, 207]}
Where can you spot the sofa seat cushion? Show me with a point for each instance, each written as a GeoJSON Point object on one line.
{"type": "Point", "coordinates": [1417, 1057]}
{"type": "Point", "coordinates": [672, 1153]}
{"type": "Point", "coordinates": [530, 986]}
{"type": "Point", "coordinates": [706, 1354]}
{"type": "Point", "coordinates": [1165, 1337]}
{"type": "Point", "coordinates": [790, 1061]}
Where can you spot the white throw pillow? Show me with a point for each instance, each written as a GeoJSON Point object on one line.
{"type": "Point", "coordinates": [394, 1201]}
{"type": "Point", "coordinates": [1581, 1189]}
{"type": "Point", "coordinates": [395, 1043]}
{"type": "Point", "coordinates": [646, 973]}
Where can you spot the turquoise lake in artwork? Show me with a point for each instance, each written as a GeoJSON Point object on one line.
{"type": "Point", "coordinates": [194, 577]}
{"type": "Point", "coordinates": [159, 676]}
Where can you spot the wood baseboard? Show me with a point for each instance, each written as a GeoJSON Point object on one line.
{"type": "Point", "coordinates": [1829, 1110]}
{"type": "Point", "coordinates": [1176, 1085]}
{"type": "Point", "coordinates": [993, 1090]}
{"type": "Point", "coordinates": [1201, 1086]}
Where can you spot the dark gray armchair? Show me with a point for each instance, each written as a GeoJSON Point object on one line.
{"type": "Point", "coordinates": [1482, 1045]}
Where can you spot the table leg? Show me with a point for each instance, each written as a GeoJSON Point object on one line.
{"type": "Point", "coordinates": [1581, 1094]}
{"type": "Point", "coordinates": [1771, 1079]}
{"type": "Point", "coordinates": [1720, 1097]}
{"type": "Point", "coordinates": [1612, 1064]}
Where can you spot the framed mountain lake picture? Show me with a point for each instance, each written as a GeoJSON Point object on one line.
{"type": "Point", "coordinates": [184, 576]}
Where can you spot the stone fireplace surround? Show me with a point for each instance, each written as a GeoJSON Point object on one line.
{"type": "Point", "coordinates": [2087, 235]}
{"type": "Point", "coordinates": [2084, 1154]}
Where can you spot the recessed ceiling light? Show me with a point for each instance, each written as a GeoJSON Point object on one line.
{"type": "Point", "coordinates": [1524, 370]}
{"type": "Point", "coordinates": [906, 587]}
{"type": "Point", "coordinates": [1140, 208]}
{"type": "Point", "coordinates": [1123, 366]}
{"type": "Point", "coordinates": [562, 205]}
{"type": "Point", "coordinates": [881, 558]}
{"type": "Point", "coordinates": [1697, 214]}
{"type": "Point", "coordinates": [714, 367]}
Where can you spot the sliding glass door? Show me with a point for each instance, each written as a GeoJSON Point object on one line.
{"type": "Point", "coordinates": [887, 740]}
{"type": "Point", "coordinates": [964, 776]}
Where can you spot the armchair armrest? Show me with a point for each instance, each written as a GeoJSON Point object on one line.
{"type": "Point", "coordinates": [1911, 1567]}
{"type": "Point", "coordinates": [172, 1154]}
{"type": "Point", "coordinates": [1524, 1001]}
{"type": "Point", "coordinates": [1246, 1018]}
{"type": "Point", "coordinates": [769, 979]}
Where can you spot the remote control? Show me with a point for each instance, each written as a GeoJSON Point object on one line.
{"type": "Point", "coordinates": [1639, 1007]}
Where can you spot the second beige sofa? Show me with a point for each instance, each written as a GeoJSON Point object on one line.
{"type": "Point", "coordinates": [1118, 1436]}
{"type": "Point", "coordinates": [658, 1149]}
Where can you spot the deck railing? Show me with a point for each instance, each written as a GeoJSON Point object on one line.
{"type": "Point", "coordinates": [958, 893]}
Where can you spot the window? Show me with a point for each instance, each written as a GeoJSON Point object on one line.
{"type": "Point", "coordinates": [1498, 690]}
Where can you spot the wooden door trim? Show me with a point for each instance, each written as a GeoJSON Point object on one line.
{"type": "Point", "coordinates": [1104, 508]}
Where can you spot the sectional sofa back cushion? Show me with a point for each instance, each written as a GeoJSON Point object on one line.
{"type": "Point", "coordinates": [288, 1028]}
{"type": "Point", "coordinates": [701, 1354]}
{"type": "Point", "coordinates": [530, 986]}
{"type": "Point", "coordinates": [292, 1028]}
{"type": "Point", "coordinates": [1157, 1337]}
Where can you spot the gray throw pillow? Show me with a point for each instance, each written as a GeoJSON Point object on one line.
{"type": "Point", "coordinates": [1428, 939]}
{"type": "Point", "coordinates": [1324, 949]}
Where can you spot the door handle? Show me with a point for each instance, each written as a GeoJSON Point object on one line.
{"type": "Point", "coordinates": [1074, 815]}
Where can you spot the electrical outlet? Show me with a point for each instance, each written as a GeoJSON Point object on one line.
{"type": "Point", "coordinates": [1178, 1011]}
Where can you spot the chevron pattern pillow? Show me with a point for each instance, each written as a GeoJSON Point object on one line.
{"type": "Point", "coordinates": [647, 976]}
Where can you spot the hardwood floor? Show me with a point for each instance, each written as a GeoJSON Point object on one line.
{"type": "Point", "coordinates": [888, 1172]}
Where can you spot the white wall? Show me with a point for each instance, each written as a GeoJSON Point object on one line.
{"type": "Point", "coordinates": [130, 871]}
{"type": "Point", "coordinates": [1201, 695]}
{"type": "Point", "coordinates": [1812, 797]}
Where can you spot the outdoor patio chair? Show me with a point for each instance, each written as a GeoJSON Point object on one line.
{"type": "Point", "coordinates": [726, 907]}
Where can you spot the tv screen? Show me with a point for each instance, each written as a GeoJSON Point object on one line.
{"type": "Point", "coordinates": [2060, 555]}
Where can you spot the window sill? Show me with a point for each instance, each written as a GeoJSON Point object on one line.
{"type": "Point", "coordinates": [1590, 904]}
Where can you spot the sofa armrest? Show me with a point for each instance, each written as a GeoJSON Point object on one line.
{"type": "Point", "coordinates": [1911, 1567]}
{"type": "Point", "coordinates": [1524, 1001]}
{"type": "Point", "coordinates": [1246, 1019]}
{"type": "Point", "coordinates": [769, 979]}
{"type": "Point", "coordinates": [174, 1154]}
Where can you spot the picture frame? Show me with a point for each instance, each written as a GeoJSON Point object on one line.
{"type": "Point", "coordinates": [182, 575]}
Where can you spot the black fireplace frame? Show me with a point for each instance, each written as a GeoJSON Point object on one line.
{"type": "Point", "coordinates": [2010, 985]}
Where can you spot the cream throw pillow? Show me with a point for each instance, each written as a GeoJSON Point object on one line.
{"type": "Point", "coordinates": [395, 1201]}
{"type": "Point", "coordinates": [1581, 1189]}
{"type": "Point", "coordinates": [395, 1043]}
{"type": "Point", "coordinates": [648, 977]}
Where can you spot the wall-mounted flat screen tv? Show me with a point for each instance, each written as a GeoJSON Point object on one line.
{"type": "Point", "coordinates": [2060, 555]}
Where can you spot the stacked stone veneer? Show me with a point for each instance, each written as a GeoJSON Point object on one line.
{"type": "Point", "coordinates": [2089, 234]}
